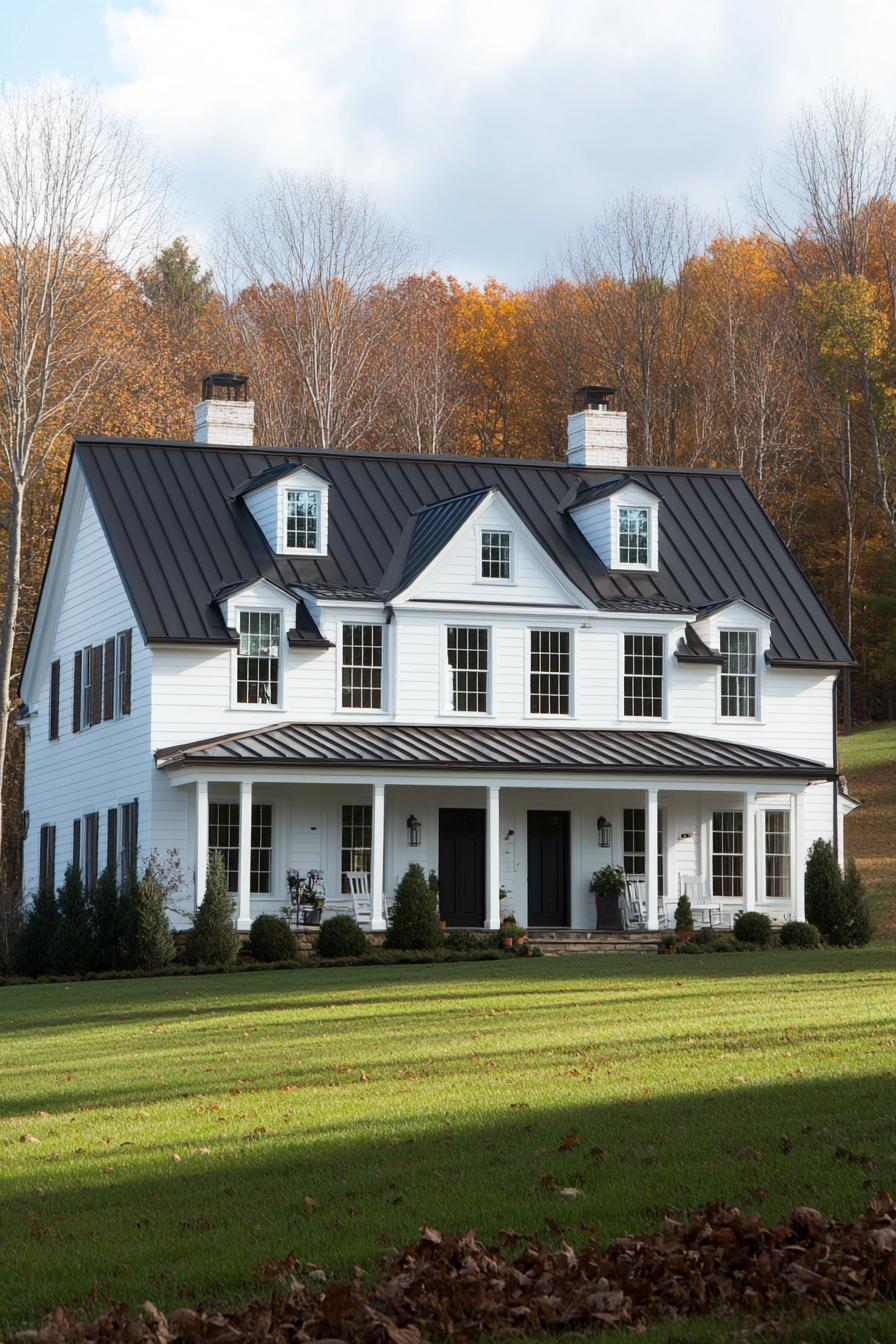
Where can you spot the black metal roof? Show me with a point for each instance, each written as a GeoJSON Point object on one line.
{"type": "Point", "coordinates": [178, 535]}
{"type": "Point", "coordinates": [564, 750]}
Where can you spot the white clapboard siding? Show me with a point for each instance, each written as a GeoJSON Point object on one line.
{"type": "Point", "coordinates": [109, 763]}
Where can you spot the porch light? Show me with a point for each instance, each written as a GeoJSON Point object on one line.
{"type": "Point", "coordinates": [604, 833]}
{"type": "Point", "coordinates": [414, 829]}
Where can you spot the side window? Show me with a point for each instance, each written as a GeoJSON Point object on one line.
{"type": "Point", "coordinates": [262, 849]}
{"type": "Point", "coordinates": [258, 658]}
{"type": "Point", "coordinates": [224, 837]}
{"type": "Point", "coordinates": [728, 854]}
{"type": "Point", "coordinates": [643, 677]}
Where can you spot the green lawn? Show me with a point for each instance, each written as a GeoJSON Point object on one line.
{"type": "Point", "coordinates": [186, 1130]}
{"type": "Point", "coordinates": [868, 758]}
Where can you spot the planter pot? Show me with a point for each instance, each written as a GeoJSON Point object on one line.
{"type": "Point", "coordinates": [670, 951]}
{"type": "Point", "coordinates": [521, 942]}
{"type": "Point", "coordinates": [507, 942]}
{"type": "Point", "coordinates": [443, 923]}
{"type": "Point", "coordinates": [684, 935]}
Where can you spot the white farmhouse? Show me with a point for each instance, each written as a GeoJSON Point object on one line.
{"type": "Point", "coordinates": [513, 672]}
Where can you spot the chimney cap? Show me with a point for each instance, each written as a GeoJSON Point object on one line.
{"type": "Point", "coordinates": [591, 397]}
{"type": "Point", "coordinates": [225, 387]}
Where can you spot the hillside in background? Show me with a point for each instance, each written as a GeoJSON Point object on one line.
{"type": "Point", "coordinates": [868, 759]}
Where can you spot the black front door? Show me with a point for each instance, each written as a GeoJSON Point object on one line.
{"type": "Point", "coordinates": [462, 866]}
{"type": "Point", "coordinates": [548, 845]}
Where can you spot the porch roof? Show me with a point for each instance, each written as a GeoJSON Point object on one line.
{"type": "Point", "coordinates": [427, 747]}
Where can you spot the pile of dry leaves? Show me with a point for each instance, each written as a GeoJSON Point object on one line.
{"type": "Point", "coordinates": [719, 1262]}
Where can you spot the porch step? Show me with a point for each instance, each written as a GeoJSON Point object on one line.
{"type": "Point", "coordinates": [558, 942]}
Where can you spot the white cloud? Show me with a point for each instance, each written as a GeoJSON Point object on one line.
{"type": "Point", "coordinates": [490, 127]}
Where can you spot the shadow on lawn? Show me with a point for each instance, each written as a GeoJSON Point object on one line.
{"type": "Point", "coordinates": [148, 1226]}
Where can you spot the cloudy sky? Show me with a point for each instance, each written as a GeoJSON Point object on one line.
{"type": "Point", "coordinates": [491, 128]}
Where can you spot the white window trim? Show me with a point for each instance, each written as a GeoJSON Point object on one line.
{"type": "Point", "coordinates": [758, 717]}
{"type": "Point", "coordinates": [763, 806]}
{"type": "Point", "coordinates": [620, 663]}
{"type": "Point", "coordinates": [385, 697]}
{"type": "Point", "coordinates": [446, 710]}
{"type": "Point", "coordinates": [241, 706]}
{"type": "Point", "coordinates": [652, 565]}
{"type": "Point", "coordinates": [527, 669]}
{"type": "Point", "coordinates": [480, 578]}
{"type": "Point", "coordinates": [318, 488]}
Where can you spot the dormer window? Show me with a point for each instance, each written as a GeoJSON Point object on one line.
{"type": "Point", "coordinates": [495, 556]}
{"type": "Point", "coordinates": [303, 520]}
{"type": "Point", "coordinates": [258, 658]}
{"type": "Point", "coordinates": [738, 690]}
{"type": "Point", "coordinates": [634, 536]}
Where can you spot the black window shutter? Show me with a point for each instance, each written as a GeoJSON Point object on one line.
{"type": "Point", "coordinates": [91, 849]}
{"type": "Point", "coordinates": [96, 683]}
{"type": "Point", "coordinates": [76, 694]}
{"type": "Point", "coordinates": [54, 700]}
{"type": "Point", "coordinates": [76, 843]}
{"type": "Point", "coordinates": [124, 642]}
{"type": "Point", "coordinates": [134, 827]}
{"type": "Point", "coordinates": [47, 857]}
{"type": "Point", "coordinates": [112, 839]}
{"type": "Point", "coordinates": [109, 679]}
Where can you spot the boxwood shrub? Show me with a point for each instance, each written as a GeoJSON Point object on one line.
{"type": "Point", "coordinates": [797, 933]}
{"type": "Point", "coordinates": [271, 939]}
{"type": "Point", "coordinates": [341, 936]}
{"type": "Point", "coordinates": [752, 927]}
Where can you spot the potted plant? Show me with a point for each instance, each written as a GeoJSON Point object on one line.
{"type": "Point", "coordinates": [432, 882]}
{"type": "Point", "coordinates": [684, 919]}
{"type": "Point", "coordinates": [306, 895]}
{"type": "Point", "coordinates": [607, 886]}
{"type": "Point", "coordinates": [508, 931]}
{"type": "Point", "coordinates": [520, 937]}
{"type": "Point", "coordinates": [668, 944]}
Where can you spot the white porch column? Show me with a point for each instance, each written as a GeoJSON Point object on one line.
{"type": "Point", "coordinates": [378, 858]}
{"type": "Point", "coordinates": [244, 910]}
{"type": "Point", "coordinates": [749, 900]}
{"type": "Point", "coordinates": [493, 860]}
{"type": "Point", "coordinates": [798, 857]}
{"type": "Point", "coordinates": [652, 875]}
{"type": "Point", "coordinates": [201, 838]}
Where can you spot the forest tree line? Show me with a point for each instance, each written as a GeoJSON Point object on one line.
{"type": "Point", "coordinates": [770, 349]}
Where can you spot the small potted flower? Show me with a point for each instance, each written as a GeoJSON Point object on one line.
{"type": "Point", "coordinates": [508, 930]}
{"type": "Point", "coordinates": [668, 945]}
{"type": "Point", "coordinates": [520, 937]}
{"type": "Point", "coordinates": [684, 920]}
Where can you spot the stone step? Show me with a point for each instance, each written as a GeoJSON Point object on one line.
{"type": "Point", "coordinates": [560, 942]}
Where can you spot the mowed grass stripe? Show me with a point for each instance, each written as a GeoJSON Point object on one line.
{"type": "Point", "coordinates": [189, 1129]}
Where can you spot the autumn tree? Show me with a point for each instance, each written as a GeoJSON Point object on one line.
{"type": "Point", "coordinates": [78, 201]}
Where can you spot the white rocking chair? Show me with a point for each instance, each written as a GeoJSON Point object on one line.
{"type": "Point", "coordinates": [359, 890]}
{"type": "Point", "coordinates": [633, 904]}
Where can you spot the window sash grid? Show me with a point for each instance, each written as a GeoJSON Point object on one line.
{"type": "Point", "coordinates": [468, 663]}
{"type": "Point", "coordinates": [643, 676]}
{"type": "Point", "coordinates": [550, 671]}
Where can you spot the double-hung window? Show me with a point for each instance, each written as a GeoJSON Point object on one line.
{"type": "Point", "coordinates": [495, 556]}
{"type": "Point", "coordinates": [357, 823]}
{"type": "Point", "coordinates": [728, 854]}
{"type": "Point", "coordinates": [549, 671]}
{"type": "Point", "coordinates": [468, 669]}
{"type": "Point", "coordinates": [362, 667]}
{"type": "Point", "coordinates": [303, 520]}
{"type": "Point", "coordinates": [258, 658]}
{"type": "Point", "coordinates": [634, 845]}
{"type": "Point", "coordinates": [738, 648]}
{"type": "Point", "coordinates": [224, 839]}
{"type": "Point", "coordinates": [777, 855]}
{"type": "Point", "coordinates": [642, 692]}
{"type": "Point", "coordinates": [634, 536]}
{"type": "Point", "coordinates": [262, 849]}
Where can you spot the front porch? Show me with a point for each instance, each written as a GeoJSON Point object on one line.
{"type": "Point", "coordinates": [501, 846]}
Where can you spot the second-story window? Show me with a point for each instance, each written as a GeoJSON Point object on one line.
{"type": "Point", "coordinates": [362, 667]}
{"type": "Point", "coordinates": [549, 672]}
{"type": "Point", "coordinates": [634, 536]}
{"type": "Point", "coordinates": [643, 677]}
{"type": "Point", "coordinates": [468, 667]}
{"type": "Point", "coordinates": [738, 648]}
{"type": "Point", "coordinates": [258, 658]}
{"type": "Point", "coordinates": [494, 556]}
{"type": "Point", "coordinates": [303, 520]}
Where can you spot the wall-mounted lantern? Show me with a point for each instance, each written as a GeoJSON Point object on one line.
{"type": "Point", "coordinates": [604, 833]}
{"type": "Point", "coordinates": [414, 829]}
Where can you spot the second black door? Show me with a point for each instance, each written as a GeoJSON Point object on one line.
{"type": "Point", "coordinates": [462, 866]}
{"type": "Point", "coordinates": [548, 846]}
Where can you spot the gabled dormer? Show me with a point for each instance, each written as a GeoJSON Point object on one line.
{"type": "Point", "coordinates": [620, 519]}
{"type": "Point", "coordinates": [290, 505]}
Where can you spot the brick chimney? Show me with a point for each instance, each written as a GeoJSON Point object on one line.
{"type": "Point", "coordinates": [225, 415]}
{"type": "Point", "coordinates": [596, 436]}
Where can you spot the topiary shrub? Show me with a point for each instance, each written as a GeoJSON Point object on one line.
{"type": "Point", "coordinates": [855, 906]}
{"type": "Point", "coordinates": [684, 916]}
{"type": "Point", "coordinates": [415, 918]}
{"type": "Point", "coordinates": [153, 944]}
{"type": "Point", "coordinates": [33, 947]}
{"type": "Point", "coordinates": [752, 927]}
{"type": "Point", "coordinates": [72, 947]}
{"type": "Point", "coordinates": [271, 939]}
{"type": "Point", "coordinates": [342, 936]}
{"type": "Point", "coordinates": [213, 941]}
{"type": "Point", "coordinates": [826, 905]}
{"type": "Point", "coordinates": [107, 933]}
{"type": "Point", "coordinates": [797, 933]}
